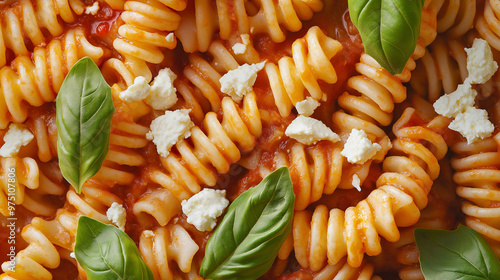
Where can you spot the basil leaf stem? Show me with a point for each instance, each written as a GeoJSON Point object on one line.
{"type": "Point", "coordinates": [84, 108]}
{"type": "Point", "coordinates": [256, 224]}
{"type": "Point", "coordinates": [459, 254]}
{"type": "Point", "coordinates": [389, 29]}
{"type": "Point", "coordinates": [105, 252]}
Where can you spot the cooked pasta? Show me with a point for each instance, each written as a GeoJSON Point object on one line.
{"type": "Point", "coordinates": [488, 25]}
{"type": "Point", "coordinates": [455, 17]}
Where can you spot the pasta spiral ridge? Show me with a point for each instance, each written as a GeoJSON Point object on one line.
{"type": "Point", "coordinates": [309, 63]}
{"type": "Point", "coordinates": [34, 81]}
{"type": "Point", "coordinates": [488, 23]}
{"type": "Point", "coordinates": [477, 175]}
{"type": "Point", "coordinates": [400, 195]}
{"type": "Point", "coordinates": [216, 144]}
{"type": "Point", "coordinates": [45, 238]}
{"type": "Point", "coordinates": [24, 173]}
{"type": "Point", "coordinates": [455, 17]}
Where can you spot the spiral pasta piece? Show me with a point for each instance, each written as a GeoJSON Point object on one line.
{"type": "Point", "coordinates": [477, 175]}
{"type": "Point", "coordinates": [16, 175]}
{"type": "Point", "coordinates": [455, 17]}
{"type": "Point", "coordinates": [164, 245]}
{"type": "Point", "coordinates": [34, 81]}
{"type": "Point", "coordinates": [216, 144]}
{"type": "Point", "coordinates": [46, 237]}
{"type": "Point", "coordinates": [488, 23]}
{"type": "Point", "coordinates": [310, 63]}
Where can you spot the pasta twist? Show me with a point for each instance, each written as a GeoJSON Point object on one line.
{"type": "Point", "coordinates": [310, 63]}
{"type": "Point", "coordinates": [455, 17]}
{"type": "Point", "coordinates": [145, 27]}
{"type": "Point", "coordinates": [16, 175]}
{"type": "Point", "coordinates": [488, 23]}
{"type": "Point", "coordinates": [45, 237]}
{"type": "Point", "coordinates": [477, 175]}
{"type": "Point", "coordinates": [215, 146]}
{"type": "Point", "coordinates": [36, 80]}
{"type": "Point", "coordinates": [400, 195]}
{"type": "Point", "coordinates": [164, 245]}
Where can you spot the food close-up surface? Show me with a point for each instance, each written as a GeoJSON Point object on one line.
{"type": "Point", "coordinates": [250, 139]}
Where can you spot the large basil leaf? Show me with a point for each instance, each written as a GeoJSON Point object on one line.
{"type": "Point", "coordinates": [247, 240]}
{"type": "Point", "coordinates": [107, 253]}
{"type": "Point", "coordinates": [389, 29]}
{"type": "Point", "coordinates": [459, 254]}
{"type": "Point", "coordinates": [84, 108]}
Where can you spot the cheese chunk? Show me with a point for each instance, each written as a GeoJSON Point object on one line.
{"type": "Point", "coordinates": [356, 182]}
{"type": "Point", "coordinates": [480, 62]}
{"type": "Point", "coordinates": [92, 10]}
{"type": "Point", "coordinates": [16, 137]}
{"type": "Point", "coordinates": [163, 93]}
{"type": "Point", "coordinates": [307, 106]}
{"type": "Point", "coordinates": [452, 104]}
{"type": "Point", "coordinates": [238, 82]}
{"type": "Point", "coordinates": [170, 37]}
{"type": "Point", "coordinates": [473, 124]}
{"type": "Point", "coordinates": [358, 148]}
{"type": "Point", "coordinates": [203, 208]}
{"type": "Point", "coordinates": [137, 91]}
{"type": "Point", "coordinates": [117, 215]}
{"type": "Point", "coordinates": [308, 131]}
{"type": "Point", "coordinates": [241, 48]}
{"type": "Point", "coordinates": [168, 129]}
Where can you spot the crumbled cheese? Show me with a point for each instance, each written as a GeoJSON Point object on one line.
{"type": "Point", "coordinates": [307, 106]}
{"type": "Point", "coordinates": [170, 37]}
{"type": "Point", "coordinates": [308, 131]}
{"type": "Point", "coordinates": [72, 254]}
{"type": "Point", "coordinates": [92, 10]}
{"type": "Point", "coordinates": [16, 137]}
{"type": "Point", "coordinates": [480, 62]}
{"type": "Point", "coordinates": [356, 182]}
{"type": "Point", "coordinates": [117, 215]}
{"type": "Point", "coordinates": [168, 129]}
{"type": "Point", "coordinates": [452, 104]}
{"type": "Point", "coordinates": [203, 208]}
{"type": "Point", "coordinates": [148, 233]}
{"type": "Point", "coordinates": [238, 82]}
{"type": "Point", "coordinates": [163, 93]}
{"type": "Point", "coordinates": [358, 148]}
{"type": "Point", "coordinates": [473, 124]}
{"type": "Point", "coordinates": [241, 48]}
{"type": "Point", "coordinates": [137, 91]}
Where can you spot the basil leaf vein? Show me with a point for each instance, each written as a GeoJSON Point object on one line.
{"type": "Point", "coordinates": [105, 252]}
{"type": "Point", "coordinates": [248, 239]}
{"type": "Point", "coordinates": [459, 254]}
{"type": "Point", "coordinates": [389, 29]}
{"type": "Point", "coordinates": [84, 108]}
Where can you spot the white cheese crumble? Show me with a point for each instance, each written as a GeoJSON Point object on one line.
{"type": "Point", "coordinates": [203, 208]}
{"type": "Point", "coordinates": [168, 129]}
{"type": "Point", "coordinates": [307, 106]}
{"type": "Point", "coordinates": [241, 48]}
{"type": "Point", "coordinates": [480, 62]}
{"type": "Point", "coordinates": [452, 104]}
{"type": "Point", "coordinates": [356, 182]}
{"type": "Point", "coordinates": [238, 82]}
{"type": "Point", "coordinates": [308, 131]}
{"type": "Point", "coordinates": [16, 137]}
{"type": "Point", "coordinates": [92, 10]}
{"type": "Point", "coordinates": [117, 215]}
{"type": "Point", "coordinates": [358, 148]}
{"type": "Point", "coordinates": [137, 91]}
{"type": "Point", "coordinates": [473, 124]}
{"type": "Point", "coordinates": [72, 254]}
{"type": "Point", "coordinates": [170, 37]}
{"type": "Point", "coordinates": [162, 95]}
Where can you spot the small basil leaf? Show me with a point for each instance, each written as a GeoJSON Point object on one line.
{"type": "Point", "coordinates": [247, 240]}
{"type": "Point", "coordinates": [105, 252]}
{"type": "Point", "coordinates": [459, 254]}
{"type": "Point", "coordinates": [389, 29]}
{"type": "Point", "coordinates": [84, 108]}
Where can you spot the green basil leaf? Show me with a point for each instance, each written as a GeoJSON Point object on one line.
{"type": "Point", "coordinates": [459, 254]}
{"type": "Point", "coordinates": [84, 108]}
{"type": "Point", "coordinates": [105, 252]}
{"type": "Point", "coordinates": [247, 240]}
{"type": "Point", "coordinates": [389, 29]}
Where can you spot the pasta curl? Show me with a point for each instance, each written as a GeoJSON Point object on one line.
{"type": "Point", "coordinates": [32, 81]}
{"type": "Point", "coordinates": [25, 175]}
{"type": "Point", "coordinates": [488, 23]}
{"type": "Point", "coordinates": [455, 17]}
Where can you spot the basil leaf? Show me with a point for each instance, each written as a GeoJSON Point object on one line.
{"type": "Point", "coordinates": [105, 252]}
{"type": "Point", "coordinates": [389, 29]}
{"type": "Point", "coordinates": [247, 240]}
{"type": "Point", "coordinates": [459, 254]}
{"type": "Point", "coordinates": [84, 108]}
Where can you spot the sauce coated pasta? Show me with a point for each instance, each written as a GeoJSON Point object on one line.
{"type": "Point", "coordinates": [351, 220]}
